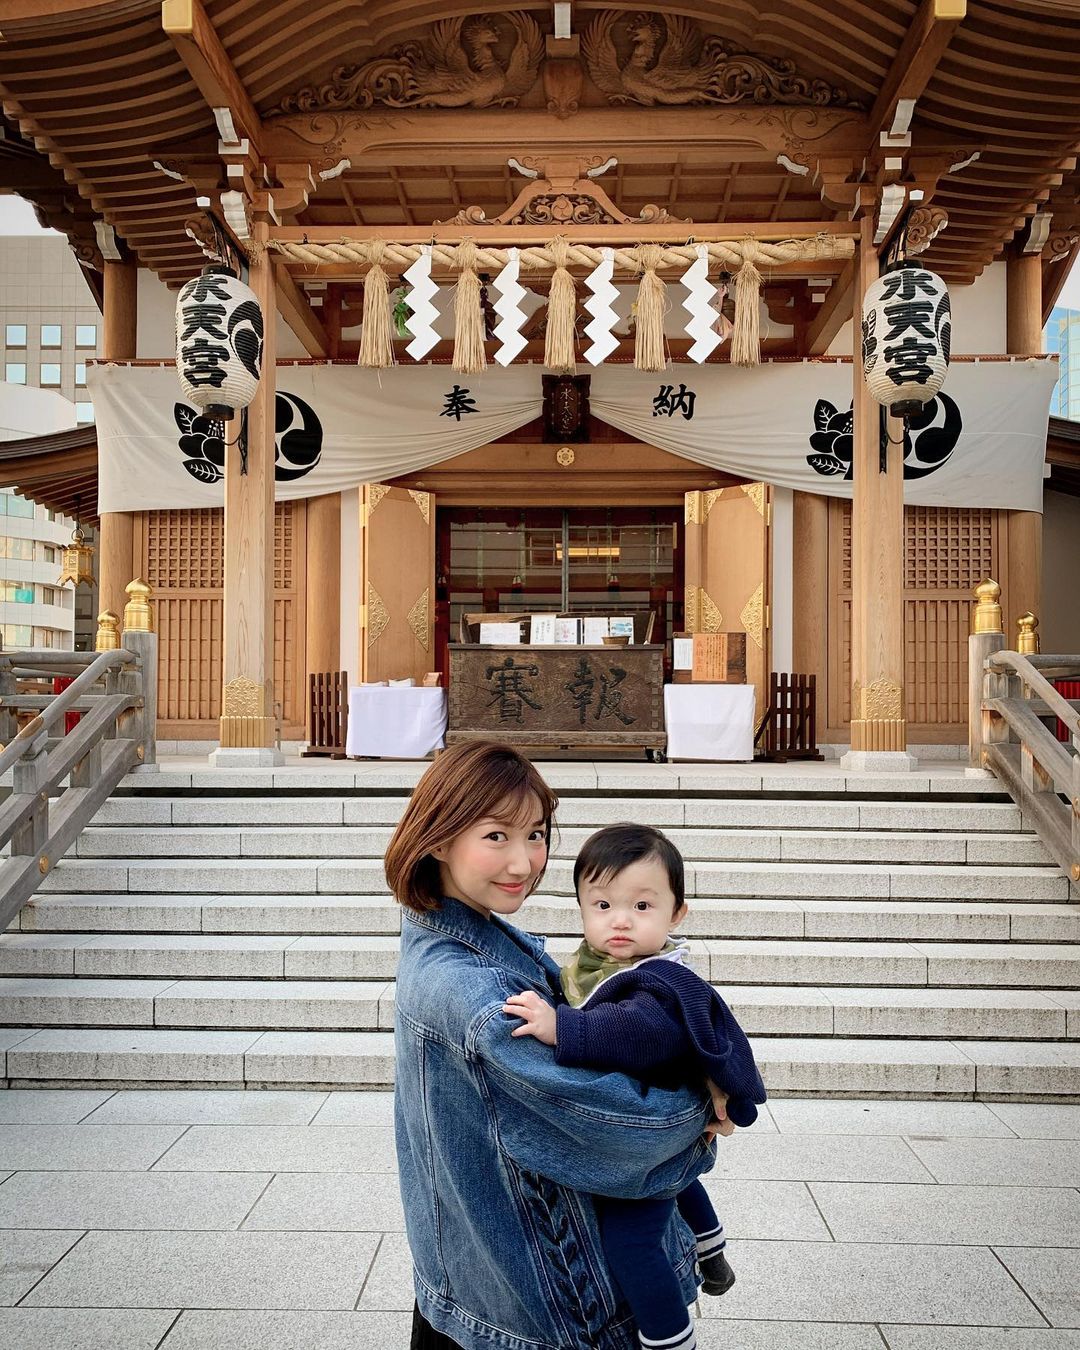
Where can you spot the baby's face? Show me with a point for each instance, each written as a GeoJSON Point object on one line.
{"type": "Point", "coordinates": [630, 915]}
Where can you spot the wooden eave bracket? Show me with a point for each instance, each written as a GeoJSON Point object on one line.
{"type": "Point", "coordinates": [236, 118]}
{"type": "Point", "coordinates": [928, 35]}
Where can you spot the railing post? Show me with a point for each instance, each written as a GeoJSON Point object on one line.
{"type": "Point", "coordinates": [140, 638]}
{"type": "Point", "coordinates": [8, 688]}
{"type": "Point", "coordinates": [987, 637]}
{"type": "Point", "coordinates": [29, 775]}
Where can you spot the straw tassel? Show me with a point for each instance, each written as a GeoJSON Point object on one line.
{"type": "Point", "coordinates": [649, 329]}
{"type": "Point", "coordinates": [376, 336]}
{"type": "Point", "coordinates": [561, 313]}
{"type": "Point", "coordinates": [470, 358]}
{"type": "Point", "coordinates": [746, 338]}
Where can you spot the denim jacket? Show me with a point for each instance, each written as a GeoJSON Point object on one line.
{"type": "Point", "coordinates": [499, 1148]}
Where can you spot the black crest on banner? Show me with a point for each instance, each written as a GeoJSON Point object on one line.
{"type": "Point", "coordinates": [930, 437]}
{"type": "Point", "coordinates": [298, 438]}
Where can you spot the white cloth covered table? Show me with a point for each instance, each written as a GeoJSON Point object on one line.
{"type": "Point", "coordinates": [402, 722]}
{"type": "Point", "coordinates": [709, 721]}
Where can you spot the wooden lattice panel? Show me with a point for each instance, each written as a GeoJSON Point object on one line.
{"type": "Point", "coordinates": [181, 554]}
{"type": "Point", "coordinates": [184, 550]}
{"type": "Point", "coordinates": [947, 548]}
{"type": "Point", "coordinates": [947, 552]}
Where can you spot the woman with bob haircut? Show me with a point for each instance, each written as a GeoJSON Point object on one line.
{"type": "Point", "coordinates": [498, 1146]}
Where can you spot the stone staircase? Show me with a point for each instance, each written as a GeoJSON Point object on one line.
{"type": "Point", "coordinates": [901, 936]}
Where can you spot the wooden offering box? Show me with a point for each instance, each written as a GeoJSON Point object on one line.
{"type": "Point", "coordinates": [572, 697]}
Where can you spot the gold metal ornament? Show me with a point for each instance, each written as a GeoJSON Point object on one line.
{"type": "Point", "coordinates": [1027, 637]}
{"type": "Point", "coordinates": [756, 493]}
{"type": "Point", "coordinates": [378, 616]}
{"type": "Point", "coordinates": [988, 610]}
{"type": "Point", "coordinates": [419, 620]}
{"type": "Point", "coordinates": [423, 503]}
{"type": "Point", "coordinates": [108, 632]}
{"type": "Point", "coordinates": [752, 617]}
{"type": "Point", "coordinates": [565, 456]}
{"type": "Point", "coordinates": [138, 612]}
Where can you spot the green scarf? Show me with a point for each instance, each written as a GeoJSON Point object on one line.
{"type": "Point", "coordinates": [587, 967]}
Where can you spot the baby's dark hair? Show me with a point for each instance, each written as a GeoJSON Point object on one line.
{"type": "Point", "coordinates": [614, 848]}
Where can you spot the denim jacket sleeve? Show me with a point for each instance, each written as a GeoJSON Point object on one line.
{"type": "Point", "coordinates": [588, 1129]}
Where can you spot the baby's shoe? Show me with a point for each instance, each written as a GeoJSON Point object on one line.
{"type": "Point", "coordinates": [717, 1277]}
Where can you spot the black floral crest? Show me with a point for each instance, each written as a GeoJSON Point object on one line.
{"type": "Point", "coordinates": [298, 438]}
{"type": "Point", "coordinates": [930, 437]}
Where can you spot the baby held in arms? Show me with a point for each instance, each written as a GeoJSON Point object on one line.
{"type": "Point", "coordinates": [633, 1005]}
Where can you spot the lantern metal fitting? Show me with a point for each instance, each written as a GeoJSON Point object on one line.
{"type": "Point", "coordinates": [906, 337]}
{"type": "Point", "coordinates": [219, 341]}
{"type": "Point", "coordinates": [78, 567]}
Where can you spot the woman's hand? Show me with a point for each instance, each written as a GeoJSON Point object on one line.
{"type": "Point", "coordinates": [538, 1016]}
{"type": "Point", "coordinates": [721, 1124]}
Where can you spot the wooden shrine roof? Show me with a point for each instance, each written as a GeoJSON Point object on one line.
{"type": "Point", "coordinates": [101, 91]}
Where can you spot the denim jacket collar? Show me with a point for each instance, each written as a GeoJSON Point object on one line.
{"type": "Point", "coordinates": [500, 942]}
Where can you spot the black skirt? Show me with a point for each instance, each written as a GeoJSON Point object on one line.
{"type": "Point", "coordinates": [425, 1338]}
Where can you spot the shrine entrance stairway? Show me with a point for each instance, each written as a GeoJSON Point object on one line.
{"type": "Point", "coordinates": [899, 936]}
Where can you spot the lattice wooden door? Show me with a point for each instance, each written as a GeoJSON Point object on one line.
{"type": "Point", "coordinates": [947, 552]}
{"type": "Point", "coordinates": [181, 554]}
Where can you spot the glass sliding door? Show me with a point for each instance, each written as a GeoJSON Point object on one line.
{"type": "Point", "coordinates": [592, 560]}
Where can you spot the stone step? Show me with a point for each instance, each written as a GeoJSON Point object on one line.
{"type": "Point", "coordinates": [974, 816]}
{"type": "Point", "coordinates": [368, 1005]}
{"type": "Point", "coordinates": [715, 844]}
{"type": "Point", "coordinates": [728, 961]}
{"type": "Point", "coordinates": [779, 880]}
{"type": "Point", "coordinates": [307, 915]}
{"type": "Point", "coordinates": [830, 1066]}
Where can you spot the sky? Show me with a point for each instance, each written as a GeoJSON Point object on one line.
{"type": "Point", "coordinates": [17, 217]}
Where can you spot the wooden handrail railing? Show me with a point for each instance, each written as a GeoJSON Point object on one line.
{"type": "Point", "coordinates": [116, 694]}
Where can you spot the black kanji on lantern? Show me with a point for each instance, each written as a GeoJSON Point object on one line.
{"type": "Point", "coordinates": [204, 318]}
{"type": "Point", "coordinates": [909, 360]}
{"type": "Point", "coordinates": [510, 690]}
{"type": "Point", "coordinates": [458, 402]}
{"type": "Point", "coordinates": [918, 315]}
{"type": "Point", "coordinates": [907, 283]}
{"type": "Point", "coordinates": [202, 360]}
{"type": "Point", "coordinates": [670, 401]}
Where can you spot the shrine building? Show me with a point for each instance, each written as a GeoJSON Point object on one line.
{"type": "Point", "coordinates": [560, 312]}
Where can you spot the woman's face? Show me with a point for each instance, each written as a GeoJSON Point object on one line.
{"type": "Point", "coordinates": [493, 865]}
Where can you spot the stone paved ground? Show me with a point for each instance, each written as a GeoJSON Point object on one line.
{"type": "Point", "coordinates": [271, 1221]}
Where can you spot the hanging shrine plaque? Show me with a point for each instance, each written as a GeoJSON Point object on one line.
{"type": "Point", "coordinates": [572, 696]}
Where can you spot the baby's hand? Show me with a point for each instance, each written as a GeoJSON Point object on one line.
{"type": "Point", "coordinates": [538, 1016]}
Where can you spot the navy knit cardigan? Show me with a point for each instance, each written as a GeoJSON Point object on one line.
{"type": "Point", "coordinates": [661, 1022]}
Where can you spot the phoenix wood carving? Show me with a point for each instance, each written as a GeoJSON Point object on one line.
{"type": "Point", "coordinates": [665, 59]}
{"type": "Point", "coordinates": [480, 62]}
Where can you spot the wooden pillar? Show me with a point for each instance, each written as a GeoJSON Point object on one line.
{"type": "Point", "coordinates": [324, 583]}
{"type": "Point", "coordinates": [878, 725]}
{"type": "Point", "coordinates": [247, 726]}
{"type": "Point", "coordinates": [1023, 337]}
{"type": "Point", "coordinates": [116, 553]}
{"type": "Point", "coordinates": [810, 591]}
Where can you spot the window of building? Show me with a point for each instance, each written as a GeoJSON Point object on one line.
{"type": "Point", "coordinates": [23, 549]}
{"type": "Point", "coordinates": [51, 335]}
{"type": "Point", "coordinates": [52, 554]}
{"type": "Point", "coordinates": [51, 595]}
{"type": "Point", "coordinates": [50, 375]}
{"type": "Point", "coordinates": [15, 335]}
{"type": "Point", "coordinates": [16, 634]}
{"type": "Point", "coordinates": [45, 637]}
{"type": "Point", "coordinates": [86, 335]}
{"type": "Point", "coordinates": [80, 373]}
{"type": "Point", "coordinates": [18, 593]}
{"type": "Point", "coordinates": [10, 505]}
{"type": "Point", "coordinates": [15, 372]}
{"type": "Point", "coordinates": [84, 412]}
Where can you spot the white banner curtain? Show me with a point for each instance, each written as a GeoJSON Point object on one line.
{"type": "Point", "coordinates": [337, 427]}
{"type": "Point", "coordinates": [980, 443]}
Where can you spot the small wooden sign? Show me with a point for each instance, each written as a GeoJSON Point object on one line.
{"type": "Point", "coordinates": [719, 658]}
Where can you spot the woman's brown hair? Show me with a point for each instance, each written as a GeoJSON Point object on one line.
{"type": "Point", "coordinates": [464, 785]}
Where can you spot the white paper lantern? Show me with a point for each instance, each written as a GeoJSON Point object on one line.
{"type": "Point", "coordinates": [906, 335]}
{"type": "Point", "coordinates": [219, 342]}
